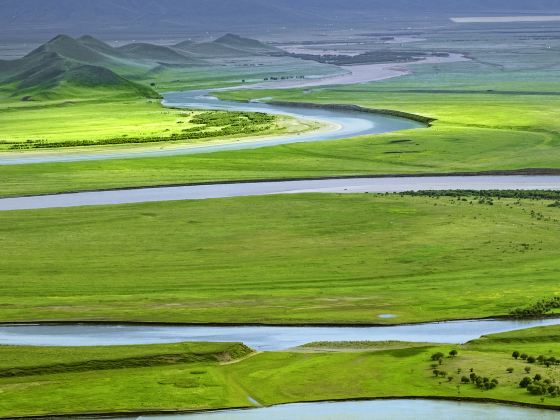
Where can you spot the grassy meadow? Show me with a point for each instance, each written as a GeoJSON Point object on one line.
{"type": "Point", "coordinates": [132, 121]}
{"type": "Point", "coordinates": [209, 376]}
{"type": "Point", "coordinates": [292, 259]}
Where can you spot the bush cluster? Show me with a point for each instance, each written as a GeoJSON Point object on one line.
{"type": "Point", "coordinates": [226, 124]}
{"type": "Point", "coordinates": [540, 386]}
{"type": "Point", "coordinates": [541, 359]}
{"type": "Point", "coordinates": [489, 194]}
{"type": "Point", "coordinates": [539, 308]}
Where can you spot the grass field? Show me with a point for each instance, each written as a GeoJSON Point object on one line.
{"type": "Point", "coordinates": [98, 122]}
{"type": "Point", "coordinates": [475, 131]}
{"type": "Point", "coordinates": [280, 259]}
{"type": "Point", "coordinates": [195, 376]}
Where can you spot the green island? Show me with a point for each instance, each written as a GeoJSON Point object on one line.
{"type": "Point", "coordinates": [41, 381]}
{"type": "Point", "coordinates": [422, 258]}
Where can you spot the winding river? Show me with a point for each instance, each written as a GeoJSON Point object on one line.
{"type": "Point", "coordinates": [405, 409]}
{"type": "Point", "coordinates": [263, 338]}
{"type": "Point", "coordinates": [341, 124]}
{"type": "Point", "coordinates": [242, 189]}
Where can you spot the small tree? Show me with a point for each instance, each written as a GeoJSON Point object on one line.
{"type": "Point", "coordinates": [515, 355]}
{"type": "Point", "coordinates": [531, 359]}
{"type": "Point", "coordinates": [509, 370]}
{"type": "Point", "coordinates": [453, 353]}
{"type": "Point", "coordinates": [465, 380]}
{"type": "Point", "coordinates": [437, 356]}
{"type": "Point", "coordinates": [523, 356]}
{"type": "Point", "coordinates": [525, 382]}
{"type": "Point", "coordinates": [527, 369]}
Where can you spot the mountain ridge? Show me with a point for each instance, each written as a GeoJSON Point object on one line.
{"type": "Point", "coordinates": [89, 62]}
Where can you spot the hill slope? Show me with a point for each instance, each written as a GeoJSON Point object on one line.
{"type": "Point", "coordinates": [229, 45]}
{"type": "Point", "coordinates": [85, 62]}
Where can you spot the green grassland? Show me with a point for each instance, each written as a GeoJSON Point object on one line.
{"type": "Point", "coordinates": [280, 259]}
{"type": "Point", "coordinates": [474, 132]}
{"type": "Point", "coordinates": [101, 117]}
{"type": "Point", "coordinates": [208, 376]}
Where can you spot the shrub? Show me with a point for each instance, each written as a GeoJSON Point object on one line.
{"type": "Point", "coordinates": [525, 382]}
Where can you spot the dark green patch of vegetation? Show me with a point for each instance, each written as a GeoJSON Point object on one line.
{"type": "Point", "coordinates": [236, 351]}
{"type": "Point", "coordinates": [212, 124]}
{"type": "Point", "coordinates": [370, 57]}
{"type": "Point", "coordinates": [537, 309]}
{"type": "Point", "coordinates": [488, 194]}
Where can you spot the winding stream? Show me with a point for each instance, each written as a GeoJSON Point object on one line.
{"type": "Point", "coordinates": [341, 124]}
{"type": "Point", "coordinates": [263, 338]}
{"type": "Point", "coordinates": [242, 189]}
{"type": "Point", "coordinates": [405, 409]}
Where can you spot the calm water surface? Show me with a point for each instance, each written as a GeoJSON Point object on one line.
{"type": "Point", "coordinates": [377, 410]}
{"type": "Point", "coordinates": [259, 338]}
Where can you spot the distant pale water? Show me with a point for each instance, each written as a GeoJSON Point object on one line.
{"type": "Point", "coordinates": [257, 337]}
{"type": "Point", "coordinates": [376, 410]}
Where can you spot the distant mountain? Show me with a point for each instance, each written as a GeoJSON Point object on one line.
{"type": "Point", "coordinates": [246, 44]}
{"type": "Point", "coordinates": [157, 53]}
{"type": "Point", "coordinates": [84, 62]}
{"type": "Point", "coordinates": [90, 63]}
{"type": "Point", "coordinates": [229, 45]}
{"type": "Point", "coordinates": [119, 16]}
{"type": "Point", "coordinates": [72, 49]}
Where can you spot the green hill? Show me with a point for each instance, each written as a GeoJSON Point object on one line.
{"type": "Point", "coordinates": [157, 53]}
{"type": "Point", "coordinates": [89, 63]}
{"type": "Point", "coordinates": [85, 63]}
{"type": "Point", "coordinates": [72, 49]}
{"type": "Point", "coordinates": [96, 77]}
{"type": "Point", "coordinates": [101, 47]}
{"type": "Point", "coordinates": [229, 45]}
{"type": "Point", "coordinates": [246, 44]}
